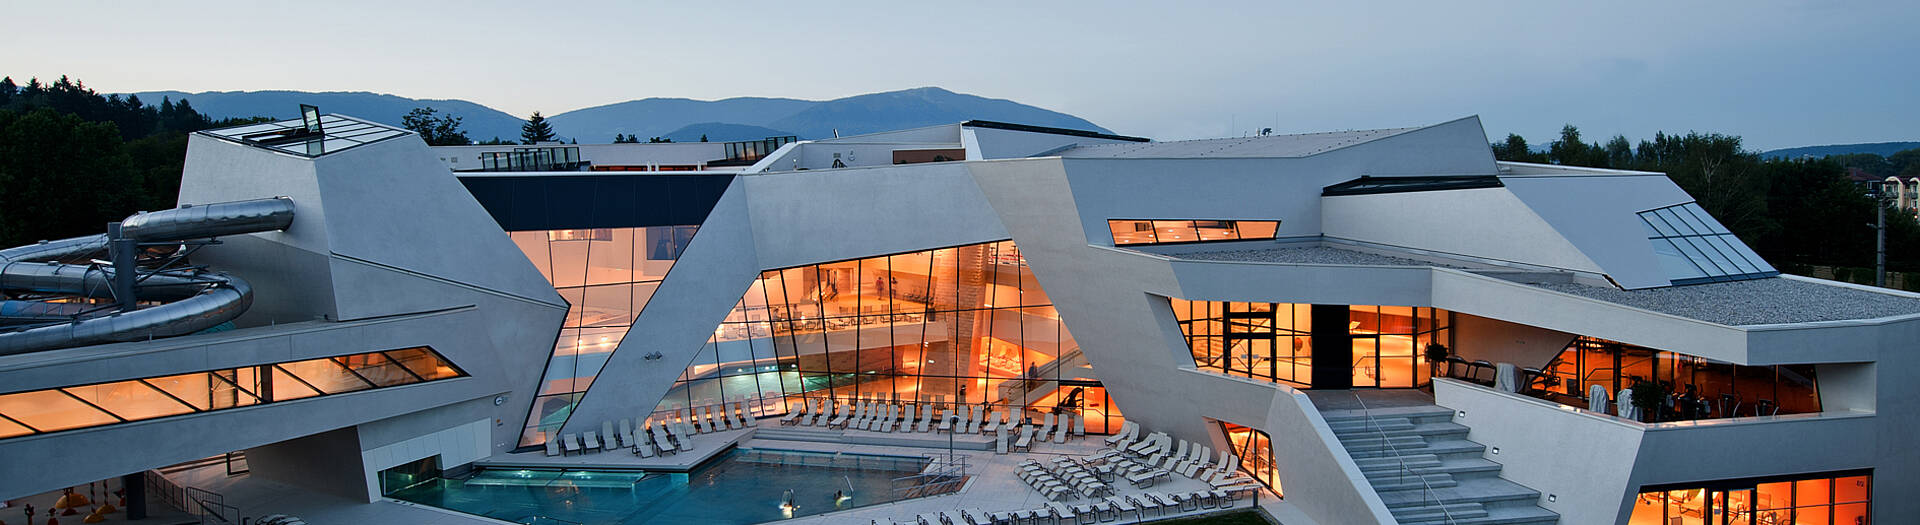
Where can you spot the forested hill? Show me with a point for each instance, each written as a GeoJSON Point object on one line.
{"type": "Point", "coordinates": [677, 118]}
{"type": "Point", "coordinates": [1884, 149]}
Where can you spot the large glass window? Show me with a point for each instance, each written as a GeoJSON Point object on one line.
{"type": "Point", "coordinates": [1820, 499]}
{"type": "Point", "coordinates": [1692, 247]}
{"type": "Point", "coordinates": [1140, 231]}
{"type": "Point", "coordinates": [1274, 341]}
{"type": "Point", "coordinates": [1256, 454]}
{"type": "Point", "coordinates": [1701, 388]}
{"type": "Point", "coordinates": [66, 408]}
{"type": "Point", "coordinates": [606, 275]}
{"type": "Point", "coordinates": [967, 324]}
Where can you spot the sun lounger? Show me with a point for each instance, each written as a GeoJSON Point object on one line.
{"type": "Point", "coordinates": [1176, 459]}
{"type": "Point", "coordinates": [606, 431]}
{"type": "Point", "coordinates": [893, 417]}
{"type": "Point", "coordinates": [1026, 440]}
{"type": "Point", "coordinates": [979, 414]}
{"type": "Point", "coordinates": [1117, 437]}
{"type": "Point", "coordinates": [999, 417]}
{"type": "Point", "coordinates": [572, 443]}
{"type": "Point", "coordinates": [793, 415]}
{"type": "Point", "coordinates": [1079, 425]}
{"type": "Point", "coordinates": [1046, 426]}
{"type": "Point", "coordinates": [907, 419]}
{"type": "Point", "coordinates": [1000, 442]}
{"type": "Point", "coordinates": [553, 447]}
{"type": "Point", "coordinates": [1060, 432]}
{"type": "Point", "coordinates": [713, 422]}
{"type": "Point", "coordinates": [746, 414]}
{"type": "Point", "coordinates": [589, 441]}
{"type": "Point", "coordinates": [626, 432]}
{"type": "Point", "coordinates": [946, 420]}
{"type": "Point", "coordinates": [840, 420]}
{"type": "Point", "coordinates": [926, 414]}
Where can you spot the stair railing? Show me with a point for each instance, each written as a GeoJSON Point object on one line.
{"type": "Point", "coordinates": [1426, 489]}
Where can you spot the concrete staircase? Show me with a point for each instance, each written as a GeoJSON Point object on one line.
{"type": "Point", "coordinates": [1404, 445]}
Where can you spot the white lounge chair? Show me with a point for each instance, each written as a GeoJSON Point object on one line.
{"type": "Point", "coordinates": [1046, 426]}
{"type": "Point", "coordinates": [572, 443]}
{"type": "Point", "coordinates": [746, 415]}
{"type": "Point", "coordinates": [1060, 432]}
{"type": "Point", "coordinates": [626, 432]}
{"type": "Point", "coordinates": [840, 419]}
{"type": "Point", "coordinates": [926, 420]}
{"type": "Point", "coordinates": [589, 441]}
{"type": "Point", "coordinates": [1000, 441]}
{"type": "Point", "coordinates": [713, 424]}
{"type": "Point", "coordinates": [907, 419]}
{"type": "Point", "coordinates": [1026, 440]}
{"type": "Point", "coordinates": [1174, 461]}
{"type": "Point", "coordinates": [553, 447]}
{"type": "Point", "coordinates": [1079, 425]}
{"type": "Point", "coordinates": [979, 414]}
{"type": "Point", "coordinates": [611, 440]}
{"type": "Point", "coordinates": [793, 416]}
{"type": "Point", "coordinates": [1117, 437]}
{"type": "Point", "coordinates": [993, 421]}
{"type": "Point", "coordinates": [946, 421]}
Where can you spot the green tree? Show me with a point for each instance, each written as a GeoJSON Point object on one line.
{"type": "Point", "coordinates": [1905, 163]}
{"type": "Point", "coordinates": [1515, 149]}
{"type": "Point", "coordinates": [435, 128]}
{"type": "Point", "coordinates": [536, 130]}
{"type": "Point", "coordinates": [703, 137]}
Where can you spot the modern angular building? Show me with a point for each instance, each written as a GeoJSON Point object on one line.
{"type": "Point", "coordinates": [388, 303]}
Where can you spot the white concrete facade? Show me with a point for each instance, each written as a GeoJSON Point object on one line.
{"type": "Point", "coordinates": [389, 251]}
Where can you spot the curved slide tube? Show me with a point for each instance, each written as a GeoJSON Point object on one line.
{"type": "Point", "coordinates": [199, 299]}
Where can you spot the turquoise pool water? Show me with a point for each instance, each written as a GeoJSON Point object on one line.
{"type": "Point", "coordinates": [740, 486]}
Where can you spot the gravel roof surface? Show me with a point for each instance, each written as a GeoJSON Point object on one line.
{"type": "Point", "coordinates": [1757, 301]}
{"type": "Point", "coordinates": [1307, 255]}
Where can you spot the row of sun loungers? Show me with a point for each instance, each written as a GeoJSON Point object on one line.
{"type": "Point", "coordinates": [1097, 510]}
{"type": "Point", "coordinates": [882, 416]}
{"type": "Point", "coordinates": [1144, 461]}
{"type": "Point", "coordinates": [671, 435]}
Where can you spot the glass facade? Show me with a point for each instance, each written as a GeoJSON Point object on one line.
{"type": "Point", "coordinates": [67, 408]}
{"type": "Point", "coordinates": [606, 275]}
{"type": "Point", "coordinates": [1694, 248]}
{"type": "Point", "coordinates": [1275, 341]}
{"type": "Point", "coordinates": [1803, 500]}
{"type": "Point", "coordinates": [1256, 454]}
{"type": "Point", "coordinates": [966, 324]}
{"type": "Point", "coordinates": [1132, 231]}
{"type": "Point", "coordinates": [1702, 388]}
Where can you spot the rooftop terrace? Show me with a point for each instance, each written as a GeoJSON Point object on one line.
{"type": "Point", "coordinates": [1773, 300]}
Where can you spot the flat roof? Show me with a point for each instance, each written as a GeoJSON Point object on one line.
{"type": "Point", "coordinates": [1270, 146]}
{"type": "Point", "coordinates": [1773, 300]}
{"type": "Point", "coordinates": [1306, 255]}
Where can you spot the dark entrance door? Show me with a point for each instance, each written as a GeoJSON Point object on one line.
{"type": "Point", "coordinates": [1332, 348]}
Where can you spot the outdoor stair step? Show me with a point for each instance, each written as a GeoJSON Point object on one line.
{"type": "Point", "coordinates": [1370, 443]}
{"type": "Point", "coordinates": [1431, 510]}
{"type": "Point", "coordinates": [1433, 481]}
{"type": "Point", "coordinates": [1423, 429]}
{"type": "Point", "coordinates": [1394, 462]}
{"type": "Point", "coordinates": [1418, 414]}
{"type": "Point", "coordinates": [1483, 491]}
{"type": "Point", "coordinates": [1456, 446]}
{"type": "Point", "coordinates": [1457, 468]}
{"type": "Point", "coordinates": [1517, 515]}
{"type": "Point", "coordinates": [1428, 464]}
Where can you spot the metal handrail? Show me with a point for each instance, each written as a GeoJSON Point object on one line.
{"type": "Point", "coordinates": [1426, 488]}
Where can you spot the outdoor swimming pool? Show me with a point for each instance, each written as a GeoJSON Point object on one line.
{"type": "Point", "coordinates": [740, 486]}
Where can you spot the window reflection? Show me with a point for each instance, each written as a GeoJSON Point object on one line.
{"type": "Point", "coordinates": [1700, 388]}
{"type": "Point", "coordinates": [967, 324]}
{"type": "Point", "coordinates": [1131, 231]}
{"type": "Point", "coordinates": [50, 410]}
{"type": "Point", "coordinates": [607, 276]}
{"type": "Point", "coordinates": [1274, 341]}
{"type": "Point", "coordinates": [1255, 450]}
{"type": "Point", "coordinates": [1817, 499]}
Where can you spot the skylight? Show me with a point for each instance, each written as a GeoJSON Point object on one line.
{"type": "Point", "coordinates": [1694, 248]}
{"type": "Point", "coordinates": [336, 133]}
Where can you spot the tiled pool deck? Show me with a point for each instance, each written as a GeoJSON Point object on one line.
{"type": "Point", "coordinates": [993, 487]}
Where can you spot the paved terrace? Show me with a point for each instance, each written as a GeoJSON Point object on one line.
{"type": "Point", "coordinates": [1307, 255]}
{"type": "Point", "coordinates": [992, 486]}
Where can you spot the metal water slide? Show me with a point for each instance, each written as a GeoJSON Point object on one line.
{"type": "Point", "coordinates": [59, 294]}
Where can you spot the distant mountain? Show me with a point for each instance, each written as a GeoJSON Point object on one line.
{"type": "Point", "coordinates": [481, 122]}
{"type": "Point", "coordinates": [914, 108]}
{"type": "Point", "coordinates": [720, 132]}
{"type": "Point", "coordinates": [1878, 148]}
{"type": "Point", "coordinates": [657, 117]}
{"type": "Point", "coordinates": [744, 118]}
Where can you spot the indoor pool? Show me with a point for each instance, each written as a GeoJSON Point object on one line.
{"type": "Point", "coordinates": [738, 487]}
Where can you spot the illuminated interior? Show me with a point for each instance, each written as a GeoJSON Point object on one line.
{"type": "Point", "coordinates": [1256, 454]}
{"type": "Point", "coordinates": [1130, 231]}
{"type": "Point", "coordinates": [1703, 388]}
{"type": "Point", "coordinates": [606, 275]}
{"type": "Point", "coordinates": [67, 408]}
{"type": "Point", "coordinates": [1799, 500]}
{"type": "Point", "coordinates": [1276, 341]}
{"type": "Point", "coordinates": [963, 324]}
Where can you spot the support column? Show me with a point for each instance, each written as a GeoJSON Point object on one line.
{"type": "Point", "coordinates": [135, 485]}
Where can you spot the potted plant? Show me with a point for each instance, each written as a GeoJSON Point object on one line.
{"type": "Point", "coordinates": [1649, 398]}
{"type": "Point", "coordinates": [1436, 353]}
